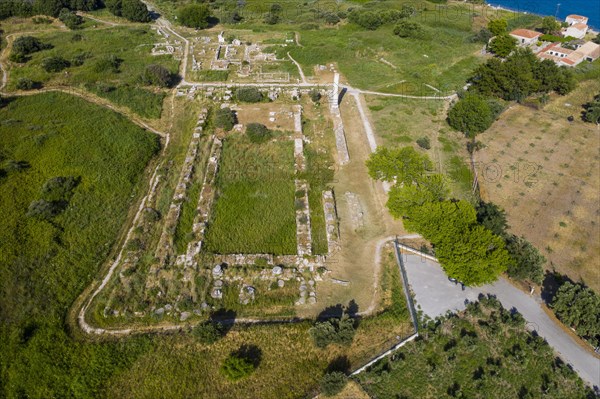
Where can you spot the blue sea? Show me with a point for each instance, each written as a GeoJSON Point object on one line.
{"type": "Point", "coordinates": [589, 8]}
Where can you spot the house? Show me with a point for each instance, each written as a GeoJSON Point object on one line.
{"type": "Point", "coordinates": [577, 30]}
{"type": "Point", "coordinates": [576, 19]}
{"type": "Point", "coordinates": [525, 37]}
{"type": "Point", "coordinates": [567, 57]}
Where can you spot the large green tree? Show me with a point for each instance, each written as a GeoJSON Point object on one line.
{"type": "Point", "coordinates": [502, 45]}
{"type": "Point", "coordinates": [550, 25]}
{"type": "Point", "coordinates": [194, 15]}
{"type": "Point", "coordinates": [579, 307]}
{"type": "Point", "coordinates": [471, 115]}
{"type": "Point", "coordinates": [497, 26]}
{"type": "Point", "coordinates": [403, 165]}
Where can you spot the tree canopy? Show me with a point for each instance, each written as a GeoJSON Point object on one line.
{"type": "Point", "coordinates": [403, 165]}
{"type": "Point", "coordinates": [591, 111]}
{"type": "Point", "coordinates": [497, 26]}
{"type": "Point", "coordinates": [579, 307]}
{"type": "Point", "coordinates": [502, 45]}
{"type": "Point", "coordinates": [194, 15]}
{"type": "Point", "coordinates": [550, 25]}
{"type": "Point", "coordinates": [471, 115]}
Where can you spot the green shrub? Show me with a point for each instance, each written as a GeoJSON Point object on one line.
{"type": "Point", "coordinates": [315, 96]}
{"type": "Point", "coordinates": [333, 331]}
{"type": "Point", "coordinates": [248, 94]}
{"type": "Point", "coordinates": [333, 383]}
{"type": "Point", "coordinates": [225, 119]}
{"type": "Point", "coordinates": [258, 133]}
{"type": "Point", "coordinates": [109, 63]}
{"type": "Point", "coordinates": [55, 64]}
{"type": "Point", "coordinates": [194, 16]}
{"type": "Point", "coordinates": [236, 367]}
{"type": "Point", "coordinates": [70, 19]}
{"type": "Point", "coordinates": [409, 29]}
{"type": "Point", "coordinates": [27, 84]}
{"type": "Point", "coordinates": [424, 142]}
{"type": "Point", "coordinates": [579, 307]}
{"type": "Point", "coordinates": [157, 75]}
{"type": "Point", "coordinates": [208, 332]}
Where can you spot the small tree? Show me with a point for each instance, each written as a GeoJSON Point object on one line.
{"type": "Point", "coordinates": [27, 84]}
{"type": "Point", "coordinates": [225, 119]}
{"type": "Point", "coordinates": [315, 96]}
{"type": "Point", "coordinates": [157, 75]}
{"type": "Point", "coordinates": [333, 383]}
{"type": "Point", "coordinates": [591, 111]}
{"type": "Point", "coordinates": [55, 64]}
{"type": "Point", "coordinates": [236, 367]}
{"type": "Point", "coordinates": [333, 331]}
{"type": "Point", "coordinates": [424, 143]}
{"type": "Point", "coordinates": [409, 29]}
{"type": "Point", "coordinates": [194, 16]}
{"type": "Point", "coordinates": [134, 10]}
{"type": "Point", "coordinates": [550, 25]}
{"type": "Point", "coordinates": [26, 45]}
{"type": "Point", "coordinates": [526, 261]}
{"type": "Point", "coordinates": [471, 115]}
{"type": "Point", "coordinates": [258, 133]}
{"type": "Point", "coordinates": [498, 27]}
{"type": "Point", "coordinates": [208, 332]}
{"type": "Point", "coordinates": [70, 19]}
{"type": "Point", "coordinates": [502, 45]}
{"type": "Point", "coordinates": [403, 165]}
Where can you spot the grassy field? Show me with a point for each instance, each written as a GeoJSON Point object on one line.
{"type": "Point", "coordinates": [45, 264]}
{"type": "Point", "coordinates": [484, 352]}
{"type": "Point", "coordinates": [254, 211]}
{"type": "Point", "coordinates": [544, 171]}
{"type": "Point", "coordinates": [130, 45]}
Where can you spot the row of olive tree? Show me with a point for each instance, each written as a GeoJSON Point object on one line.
{"type": "Point", "coordinates": [133, 10]}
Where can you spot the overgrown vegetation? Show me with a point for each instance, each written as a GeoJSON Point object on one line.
{"type": "Point", "coordinates": [55, 148]}
{"type": "Point", "coordinates": [485, 350]}
{"type": "Point", "coordinates": [579, 307]}
{"type": "Point", "coordinates": [466, 250]}
{"type": "Point", "coordinates": [254, 210]}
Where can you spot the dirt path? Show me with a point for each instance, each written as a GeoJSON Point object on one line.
{"type": "Point", "coordinates": [299, 68]}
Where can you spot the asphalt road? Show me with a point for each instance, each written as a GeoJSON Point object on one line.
{"type": "Point", "coordinates": [435, 295]}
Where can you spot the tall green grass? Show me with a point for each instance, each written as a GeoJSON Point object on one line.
{"type": "Point", "coordinates": [254, 210]}
{"type": "Point", "coordinates": [45, 265]}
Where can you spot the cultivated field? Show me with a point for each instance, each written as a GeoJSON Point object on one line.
{"type": "Point", "coordinates": [544, 171]}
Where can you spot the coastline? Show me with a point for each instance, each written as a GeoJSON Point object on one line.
{"type": "Point", "coordinates": [591, 29]}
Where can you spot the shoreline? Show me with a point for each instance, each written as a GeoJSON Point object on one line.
{"type": "Point", "coordinates": [591, 29]}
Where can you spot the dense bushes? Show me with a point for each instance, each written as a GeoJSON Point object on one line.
{"type": "Point", "coordinates": [194, 16]}
{"type": "Point", "coordinates": [55, 196]}
{"type": "Point", "coordinates": [25, 8]}
{"type": "Point", "coordinates": [23, 46]}
{"type": "Point", "coordinates": [241, 363]}
{"type": "Point", "coordinates": [591, 111]}
{"type": "Point", "coordinates": [372, 20]}
{"type": "Point", "coordinates": [209, 332]}
{"type": "Point", "coordinates": [27, 84]}
{"type": "Point", "coordinates": [55, 64]}
{"type": "Point", "coordinates": [225, 118]}
{"type": "Point", "coordinates": [133, 10]}
{"type": "Point", "coordinates": [502, 45]}
{"type": "Point", "coordinates": [248, 94]}
{"type": "Point", "coordinates": [333, 331]}
{"type": "Point", "coordinates": [70, 19]}
{"type": "Point", "coordinates": [333, 383]}
{"type": "Point", "coordinates": [158, 75]}
{"type": "Point", "coordinates": [409, 29]}
{"type": "Point", "coordinates": [258, 133]}
{"type": "Point", "coordinates": [579, 308]}
{"type": "Point", "coordinates": [521, 75]}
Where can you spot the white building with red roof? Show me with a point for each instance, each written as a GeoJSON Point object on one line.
{"type": "Point", "coordinates": [577, 26]}
{"type": "Point", "coordinates": [567, 57]}
{"type": "Point", "coordinates": [525, 37]}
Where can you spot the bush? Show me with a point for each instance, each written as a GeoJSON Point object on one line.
{"type": "Point", "coordinates": [70, 19]}
{"type": "Point", "coordinates": [79, 59]}
{"type": "Point", "coordinates": [248, 94]}
{"type": "Point", "coordinates": [133, 10]}
{"type": "Point", "coordinates": [27, 84]}
{"type": "Point", "coordinates": [45, 210]}
{"type": "Point", "coordinates": [526, 261]}
{"type": "Point", "coordinates": [208, 332]}
{"type": "Point", "coordinates": [333, 331]}
{"type": "Point", "coordinates": [409, 29]}
{"type": "Point", "coordinates": [591, 111]}
{"type": "Point", "coordinates": [109, 63]}
{"type": "Point", "coordinates": [194, 16]}
{"type": "Point", "coordinates": [236, 367]}
{"type": "Point", "coordinates": [26, 45]}
{"type": "Point", "coordinates": [315, 96]}
{"type": "Point", "coordinates": [55, 64]}
{"type": "Point", "coordinates": [424, 142]}
{"type": "Point", "coordinates": [158, 75]}
{"type": "Point", "coordinates": [225, 119]}
{"type": "Point", "coordinates": [258, 133]}
{"type": "Point", "coordinates": [579, 308]}
{"type": "Point", "coordinates": [333, 383]}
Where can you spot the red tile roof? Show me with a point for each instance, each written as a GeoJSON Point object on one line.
{"type": "Point", "coordinates": [529, 34]}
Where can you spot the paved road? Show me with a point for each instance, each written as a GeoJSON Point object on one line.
{"type": "Point", "coordinates": [435, 295]}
